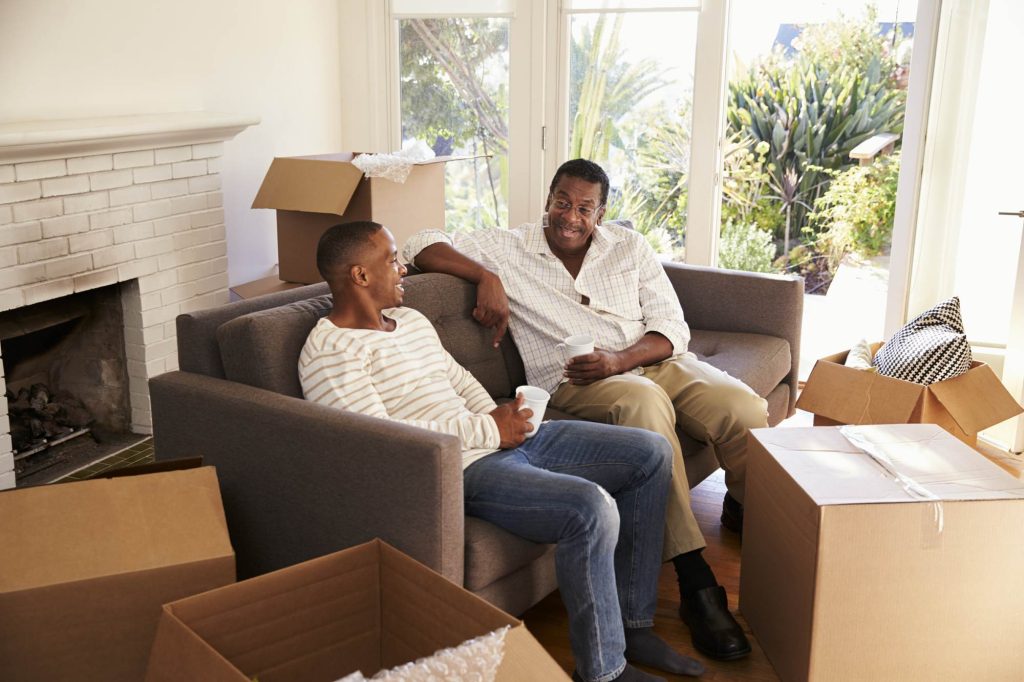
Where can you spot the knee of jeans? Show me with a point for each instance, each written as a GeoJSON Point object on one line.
{"type": "Point", "coordinates": [596, 514]}
{"type": "Point", "coordinates": [659, 453]}
{"type": "Point", "coordinates": [642, 403]}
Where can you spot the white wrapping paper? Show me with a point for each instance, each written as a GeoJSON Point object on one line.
{"type": "Point", "coordinates": [395, 166]}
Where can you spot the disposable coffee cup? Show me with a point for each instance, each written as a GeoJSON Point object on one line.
{"type": "Point", "coordinates": [577, 344]}
{"type": "Point", "coordinates": [537, 400]}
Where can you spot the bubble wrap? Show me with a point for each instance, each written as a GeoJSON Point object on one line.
{"type": "Point", "coordinates": [395, 166]}
{"type": "Point", "coordinates": [475, 660]}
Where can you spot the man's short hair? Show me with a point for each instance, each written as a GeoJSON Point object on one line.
{"type": "Point", "coordinates": [342, 246]}
{"type": "Point", "coordinates": [584, 170]}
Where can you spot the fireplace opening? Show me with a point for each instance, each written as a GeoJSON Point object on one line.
{"type": "Point", "coordinates": [67, 383]}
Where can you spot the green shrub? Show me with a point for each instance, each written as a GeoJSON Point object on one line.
{"type": "Point", "coordinates": [744, 246]}
{"type": "Point", "coordinates": [811, 110]}
{"type": "Point", "coordinates": [856, 212]}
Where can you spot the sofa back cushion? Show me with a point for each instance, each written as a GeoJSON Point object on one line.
{"type": "Point", "coordinates": [198, 349]}
{"type": "Point", "coordinates": [262, 348]}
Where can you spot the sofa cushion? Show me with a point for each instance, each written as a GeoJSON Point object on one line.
{"type": "Point", "coordinates": [758, 360]}
{"type": "Point", "coordinates": [493, 553]}
{"type": "Point", "coordinates": [262, 349]}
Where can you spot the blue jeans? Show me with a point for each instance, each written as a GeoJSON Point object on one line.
{"type": "Point", "coordinates": [555, 487]}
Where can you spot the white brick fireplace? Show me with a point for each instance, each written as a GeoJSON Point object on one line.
{"type": "Point", "coordinates": [133, 200]}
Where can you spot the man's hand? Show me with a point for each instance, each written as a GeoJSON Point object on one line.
{"type": "Point", "coordinates": [513, 423]}
{"type": "Point", "coordinates": [492, 305]}
{"type": "Point", "coordinates": [586, 369]}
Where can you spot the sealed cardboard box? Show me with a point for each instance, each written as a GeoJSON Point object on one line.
{"type": "Point", "coordinates": [312, 193]}
{"type": "Point", "coordinates": [963, 405]}
{"type": "Point", "coordinates": [86, 567]}
{"type": "Point", "coordinates": [362, 609]}
{"type": "Point", "coordinates": [882, 553]}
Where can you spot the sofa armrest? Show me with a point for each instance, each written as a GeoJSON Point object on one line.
{"type": "Point", "coordinates": [300, 480]}
{"type": "Point", "coordinates": [733, 301]}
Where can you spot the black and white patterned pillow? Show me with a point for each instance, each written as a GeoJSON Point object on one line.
{"type": "Point", "coordinates": [931, 347]}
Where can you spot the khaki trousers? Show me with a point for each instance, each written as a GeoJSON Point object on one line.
{"type": "Point", "coordinates": [709, 406]}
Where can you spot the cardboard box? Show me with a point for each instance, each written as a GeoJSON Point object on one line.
{"type": "Point", "coordinates": [963, 405]}
{"type": "Point", "coordinates": [85, 568]}
{"type": "Point", "coordinates": [265, 285]}
{"type": "Point", "coordinates": [312, 193]}
{"type": "Point", "coordinates": [905, 566]}
{"type": "Point", "coordinates": [366, 608]}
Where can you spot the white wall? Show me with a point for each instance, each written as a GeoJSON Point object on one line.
{"type": "Point", "coordinates": [269, 58]}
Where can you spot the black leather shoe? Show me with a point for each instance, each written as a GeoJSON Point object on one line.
{"type": "Point", "coordinates": [713, 630]}
{"type": "Point", "coordinates": [732, 514]}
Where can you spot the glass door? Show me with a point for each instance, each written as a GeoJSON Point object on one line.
{"type": "Point", "coordinates": [628, 107]}
{"type": "Point", "coordinates": [815, 98]}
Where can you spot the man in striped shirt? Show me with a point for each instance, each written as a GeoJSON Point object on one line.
{"type": "Point", "coordinates": [596, 490]}
{"type": "Point", "coordinates": [569, 274]}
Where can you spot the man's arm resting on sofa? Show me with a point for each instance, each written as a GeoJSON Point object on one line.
{"type": "Point", "coordinates": [300, 479]}
{"type": "Point", "coordinates": [491, 301]}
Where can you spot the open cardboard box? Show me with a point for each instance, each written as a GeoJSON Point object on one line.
{"type": "Point", "coordinates": [85, 568]}
{"type": "Point", "coordinates": [963, 405]}
{"type": "Point", "coordinates": [312, 193]}
{"type": "Point", "coordinates": [850, 571]}
{"type": "Point", "coordinates": [366, 608]}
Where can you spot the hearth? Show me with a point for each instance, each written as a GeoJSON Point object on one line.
{"type": "Point", "coordinates": [67, 382]}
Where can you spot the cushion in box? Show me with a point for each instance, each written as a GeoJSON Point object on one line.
{"type": "Point", "coordinates": [932, 347]}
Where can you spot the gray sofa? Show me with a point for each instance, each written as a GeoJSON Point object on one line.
{"type": "Point", "coordinates": [300, 480]}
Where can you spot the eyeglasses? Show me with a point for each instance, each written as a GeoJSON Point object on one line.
{"type": "Point", "coordinates": [584, 212]}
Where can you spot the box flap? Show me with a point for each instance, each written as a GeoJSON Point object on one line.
{"type": "Point", "coordinates": [422, 612]}
{"type": "Point", "coordinates": [446, 159]}
{"type": "Point", "coordinates": [853, 396]}
{"type": "Point", "coordinates": [833, 470]}
{"type": "Point", "coordinates": [77, 531]}
{"type": "Point", "coordinates": [977, 399]}
{"type": "Point", "coordinates": [323, 184]}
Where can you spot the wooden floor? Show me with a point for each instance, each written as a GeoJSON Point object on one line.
{"type": "Point", "coordinates": [548, 623]}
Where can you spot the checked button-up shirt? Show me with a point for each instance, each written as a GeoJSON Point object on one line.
{"type": "Point", "coordinates": [629, 293]}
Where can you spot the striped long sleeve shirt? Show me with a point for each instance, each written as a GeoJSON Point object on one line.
{"type": "Point", "coordinates": [404, 375]}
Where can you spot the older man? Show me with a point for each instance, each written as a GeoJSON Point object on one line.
{"type": "Point", "coordinates": [569, 274]}
{"type": "Point", "coordinates": [596, 491]}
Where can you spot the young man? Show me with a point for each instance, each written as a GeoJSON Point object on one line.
{"type": "Point", "coordinates": [569, 274]}
{"type": "Point", "coordinates": [597, 491]}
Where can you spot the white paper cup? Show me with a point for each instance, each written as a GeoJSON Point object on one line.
{"type": "Point", "coordinates": [577, 344]}
{"type": "Point", "coordinates": [537, 400]}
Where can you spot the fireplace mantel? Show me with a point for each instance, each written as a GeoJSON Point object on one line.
{"type": "Point", "coordinates": [129, 200]}
{"type": "Point", "coordinates": [23, 141]}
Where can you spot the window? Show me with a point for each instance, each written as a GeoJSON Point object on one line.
{"type": "Point", "coordinates": [629, 109]}
{"type": "Point", "coordinates": [454, 83]}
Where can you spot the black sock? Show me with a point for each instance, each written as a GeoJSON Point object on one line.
{"type": "Point", "coordinates": [646, 648]}
{"type": "Point", "coordinates": [693, 573]}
